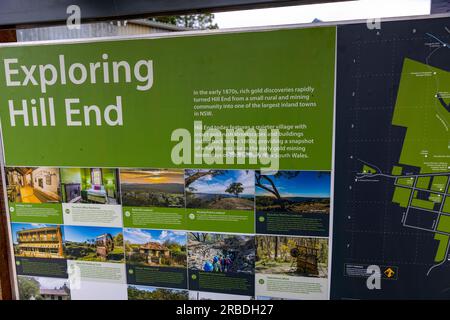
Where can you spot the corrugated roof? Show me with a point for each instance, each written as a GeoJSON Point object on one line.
{"type": "Point", "coordinates": [54, 292]}
{"type": "Point", "coordinates": [154, 246]}
{"type": "Point", "coordinates": [25, 231]}
{"type": "Point", "coordinates": [158, 25]}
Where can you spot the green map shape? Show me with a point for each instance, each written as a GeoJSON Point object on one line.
{"type": "Point", "coordinates": [427, 139]}
{"type": "Point", "coordinates": [426, 143]}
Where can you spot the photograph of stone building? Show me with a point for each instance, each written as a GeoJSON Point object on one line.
{"type": "Point", "coordinates": [158, 248]}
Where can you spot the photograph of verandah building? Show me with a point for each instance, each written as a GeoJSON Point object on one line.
{"type": "Point", "coordinates": [41, 241]}
{"type": "Point", "coordinates": [33, 185]}
{"type": "Point", "coordinates": [41, 288]}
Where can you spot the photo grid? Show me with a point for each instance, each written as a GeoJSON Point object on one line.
{"type": "Point", "coordinates": [98, 233]}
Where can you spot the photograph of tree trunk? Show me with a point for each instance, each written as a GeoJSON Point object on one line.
{"type": "Point", "coordinates": [293, 256]}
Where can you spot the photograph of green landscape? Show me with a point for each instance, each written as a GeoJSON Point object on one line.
{"type": "Point", "coordinates": [292, 256]}
{"type": "Point", "coordinates": [159, 248]}
{"type": "Point", "coordinates": [293, 192]}
{"type": "Point", "coordinates": [153, 293]}
{"type": "Point", "coordinates": [100, 244]}
{"type": "Point", "coordinates": [220, 189]}
{"type": "Point", "coordinates": [152, 187]}
{"type": "Point", "coordinates": [215, 252]}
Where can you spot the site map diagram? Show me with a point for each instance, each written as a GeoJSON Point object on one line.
{"type": "Point", "coordinates": [393, 203]}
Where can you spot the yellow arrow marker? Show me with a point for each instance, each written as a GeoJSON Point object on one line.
{"type": "Point", "coordinates": [389, 272]}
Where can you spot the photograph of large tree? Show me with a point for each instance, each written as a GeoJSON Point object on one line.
{"type": "Point", "coordinates": [293, 192]}
{"type": "Point", "coordinates": [220, 189]}
{"type": "Point", "coordinates": [293, 256]}
{"type": "Point", "coordinates": [152, 187]}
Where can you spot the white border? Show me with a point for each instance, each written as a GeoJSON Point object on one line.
{"type": "Point", "coordinates": [333, 154]}
{"type": "Point", "coordinates": [12, 261]}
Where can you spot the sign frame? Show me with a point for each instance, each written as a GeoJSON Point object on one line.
{"type": "Point", "coordinates": [13, 273]}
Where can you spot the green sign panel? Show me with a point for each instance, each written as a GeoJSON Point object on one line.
{"type": "Point", "coordinates": [172, 166]}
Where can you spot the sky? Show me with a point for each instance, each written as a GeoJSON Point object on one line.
{"type": "Point", "coordinates": [219, 183]}
{"type": "Point", "coordinates": [26, 226]}
{"type": "Point", "coordinates": [141, 236]}
{"type": "Point", "coordinates": [50, 283]}
{"type": "Point", "coordinates": [347, 10]}
{"type": "Point", "coordinates": [152, 176]}
{"type": "Point", "coordinates": [306, 184]}
{"type": "Point", "coordinates": [81, 234]}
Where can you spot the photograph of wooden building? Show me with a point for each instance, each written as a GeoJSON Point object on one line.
{"type": "Point", "coordinates": [45, 241]}
{"type": "Point", "coordinates": [54, 294]}
{"type": "Point", "coordinates": [41, 288]}
{"type": "Point", "coordinates": [33, 185]}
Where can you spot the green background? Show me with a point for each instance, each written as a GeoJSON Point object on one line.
{"type": "Point", "coordinates": [286, 58]}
